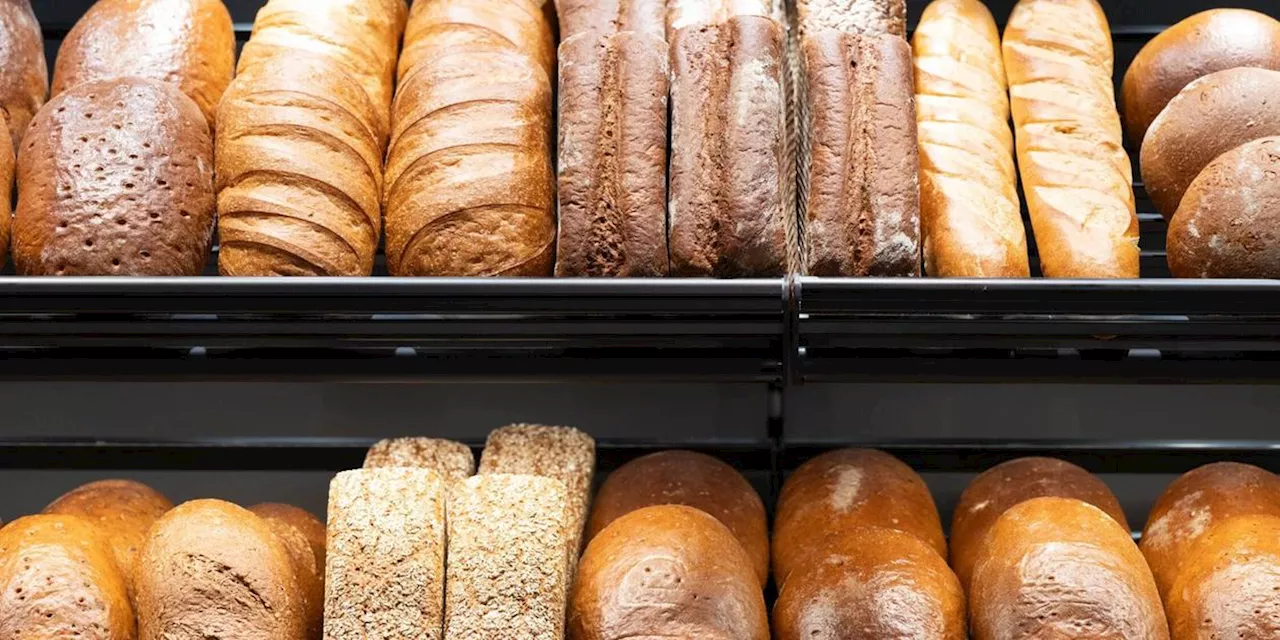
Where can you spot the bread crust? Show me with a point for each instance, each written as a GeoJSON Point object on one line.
{"type": "Point", "coordinates": [25, 84]}
{"type": "Point", "coordinates": [1227, 587]}
{"type": "Point", "coordinates": [303, 536]}
{"type": "Point", "coordinates": [870, 17]}
{"type": "Point", "coordinates": [609, 17]}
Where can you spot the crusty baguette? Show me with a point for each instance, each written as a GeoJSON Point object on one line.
{"type": "Point", "coordinates": [608, 17]}
{"type": "Point", "coordinates": [1075, 172]}
{"type": "Point", "coordinates": [452, 460]}
{"type": "Point", "coordinates": [24, 85]}
{"type": "Point", "coordinates": [970, 215]}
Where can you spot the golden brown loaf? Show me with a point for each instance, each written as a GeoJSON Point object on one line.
{"type": "Point", "coordinates": [1209, 41]}
{"type": "Point", "coordinates": [190, 43]}
{"type": "Point", "coordinates": [613, 156]}
{"type": "Point", "coordinates": [122, 511]}
{"type": "Point", "coordinates": [691, 479]}
{"type": "Point", "coordinates": [7, 170]}
{"type": "Point", "coordinates": [452, 460]}
{"type": "Point", "coordinates": [729, 213]}
{"type": "Point", "coordinates": [862, 201]}
{"type": "Point", "coordinates": [970, 214]}
{"type": "Point", "coordinates": [1075, 172]}
{"type": "Point", "coordinates": [1211, 116]}
{"type": "Point", "coordinates": [59, 579]}
{"type": "Point", "coordinates": [1008, 484]}
{"type": "Point", "coordinates": [115, 178]}
{"type": "Point", "coordinates": [1195, 503]}
{"type": "Point", "coordinates": [304, 538]}
{"type": "Point", "coordinates": [608, 17]}
{"type": "Point", "coordinates": [872, 583]}
{"type": "Point", "coordinates": [842, 489]}
{"type": "Point", "coordinates": [1228, 583]}
{"type": "Point", "coordinates": [1062, 568]}
{"type": "Point", "coordinates": [870, 17]}
{"type": "Point", "coordinates": [214, 570]}
{"type": "Point", "coordinates": [441, 24]}
{"type": "Point", "coordinates": [667, 571]}
{"type": "Point", "coordinates": [25, 83]}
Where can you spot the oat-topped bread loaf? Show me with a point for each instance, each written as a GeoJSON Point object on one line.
{"type": "Point", "coordinates": [1228, 582]}
{"type": "Point", "coordinates": [115, 178]}
{"type": "Point", "coordinates": [122, 511]}
{"type": "Point", "coordinates": [304, 538]}
{"type": "Point", "coordinates": [608, 17]}
{"type": "Point", "coordinates": [25, 84]}
{"type": "Point", "coordinates": [190, 43]}
{"type": "Point", "coordinates": [211, 569]}
{"type": "Point", "coordinates": [59, 580]}
{"type": "Point", "coordinates": [452, 460]}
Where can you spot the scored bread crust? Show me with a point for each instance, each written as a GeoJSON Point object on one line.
{"type": "Point", "coordinates": [608, 17]}
{"type": "Point", "coordinates": [452, 460]}
{"type": "Point", "coordinates": [443, 24]}
{"type": "Point", "coordinates": [25, 84]}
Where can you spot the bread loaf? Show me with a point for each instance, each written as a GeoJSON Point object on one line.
{"type": "Point", "coordinates": [507, 549]}
{"type": "Point", "coordinates": [871, 17]}
{"type": "Point", "coordinates": [122, 512]}
{"type": "Point", "coordinates": [613, 156]}
{"type": "Point", "coordinates": [667, 571]}
{"type": "Point", "coordinates": [1211, 116]}
{"type": "Point", "coordinates": [692, 479]}
{"type": "Point", "coordinates": [7, 170]}
{"type": "Point", "coordinates": [386, 555]}
{"type": "Point", "coordinates": [609, 17]}
{"type": "Point", "coordinates": [189, 43]}
{"type": "Point", "coordinates": [862, 204]}
{"type": "Point", "coordinates": [1075, 171]}
{"type": "Point", "coordinates": [441, 24]}
{"type": "Point", "coordinates": [25, 83]}
{"type": "Point", "coordinates": [1062, 568]}
{"type": "Point", "coordinates": [728, 212]}
{"type": "Point", "coordinates": [693, 13]}
{"type": "Point", "coordinates": [115, 178]}
{"type": "Point", "coordinates": [1009, 484]}
{"type": "Point", "coordinates": [1208, 41]}
{"type": "Point", "coordinates": [970, 214]}
{"type": "Point", "coordinates": [848, 488]}
{"type": "Point", "coordinates": [452, 460]}
{"type": "Point", "coordinates": [211, 569]}
{"type": "Point", "coordinates": [1197, 502]}
{"type": "Point", "coordinates": [59, 579]}
{"type": "Point", "coordinates": [872, 582]}
{"type": "Point", "coordinates": [1226, 224]}
{"type": "Point", "coordinates": [1228, 583]}
{"type": "Point", "coordinates": [300, 532]}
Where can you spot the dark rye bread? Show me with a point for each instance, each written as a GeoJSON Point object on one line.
{"type": "Point", "coordinates": [613, 156]}
{"type": "Point", "coordinates": [728, 211]}
{"type": "Point", "coordinates": [862, 203]}
{"type": "Point", "coordinates": [607, 17]}
{"type": "Point", "coordinates": [115, 178]}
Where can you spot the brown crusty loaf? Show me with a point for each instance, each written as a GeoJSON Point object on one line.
{"type": "Point", "coordinates": [386, 555]}
{"type": "Point", "coordinates": [1208, 41]}
{"type": "Point", "coordinates": [870, 17]}
{"type": "Point", "coordinates": [729, 214]}
{"type": "Point", "coordinates": [1062, 568]}
{"type": "Point", "coordinates": [1075, 172]}
{"type": "Point", "coordinates": [507, 576]}
{"type": "Point", "coordinates": [59, 579]}
{"type": "Point", "coordinates": [300, 532]}
{"type": "Point", "coordinates": [190, 43]}
{"type": "Point", "coordinates": [691, 13]}
{"type": "Point", "coordinates": [452, 460]}
{"type": "Point", "coordinates": [7, 170]}
{"type": "Point", "coordinates": [691, 479]}
{"type": "Point", "coordinates": [613, 156]}
{"type": "Point", "coordinates": [25, 84]}
{"type": "Point", "coordinates": [1228, 583]}
{"type": "Point", "coordinates": [842, 489]}
{"type": "Point", "coordinates": [1195, 503]}
{"type": "Point", "coordinates": [1211, 116]}
{"type": "Point", "coordinates": [122, 511]}
{"type": "Point", "coordinates": [667, 571]}
{"type": "Point", "coordinates": [608, 17]}
{"type": "Point", "coordinates": [862, 204]}
{"type": "Point", "coordinates": [115, 178]}
{"type": "Point", "coordinates": [872, 582]}
{"type": "Point", "coordinates": [1226, 224]}
{"type": "Point", "coordinates": [214, 570]}
{"type": "Point", "coordinates": [1009, 484]}
{"type": "Point", "coordinates": [970, 214]}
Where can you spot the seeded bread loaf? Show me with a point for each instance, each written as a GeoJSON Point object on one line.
{"type": "Point", "coordinates": [452, 460]}
{"type": "Point", "coordinates": [298, 532]}
{"type": "Point", "coordinates": [1228, 582]}
{"type": "Point", "coordinates": [608, 17]}
{"type": "Point", "coordinates": [694, 13]}
{"type": "Point", "coordinates": [25, 83]}
{"type": "Point", "coordinates": [870, 17]}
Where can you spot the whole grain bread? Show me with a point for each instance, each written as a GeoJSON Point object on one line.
{"type": "Point", "coordinates": [869, 17]}
{"type": "Point", "coordinates": [24, 86]}
{"type": "Point", "coordinates": [452, 460]}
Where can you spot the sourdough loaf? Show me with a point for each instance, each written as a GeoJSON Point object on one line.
{"type": "Point", "coordinates": [300, 533]}
{"type": "Point", "coordinates": [667, 571]}
{"type": "Point", "coordinates": [115, 178]}
{"type": "Point", "coordinates": [1228, 582]}
{"type": "Point", "coordinates": [691, 479]}
{"type": "Point", "coordinates": [190, 43]}
{"type": "Point", "coordinates": [608, 17]}
{"type": "Point", "coordinates": [25, 83]}
{"type": "Point", "coordinates": [871, 17]}
{"type": "Point", "coordinates": [452, 460]}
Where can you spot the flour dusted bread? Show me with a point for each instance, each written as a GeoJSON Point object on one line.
{"type": "Point", "coordinates": [1075, 172]}
{"type": "Point", "coordinates": [121, 511]}
{"type": "Point", "coordinates": [1062, 568]}
{"type": "Point", "coordinates": [59, 579]}
{"type": "Point", "coordinates": [190, 43]}
{"type": "Point", "coordinates": [1011, 483]}
{"type": "Point", "coordinates": [872, 582]}
{"type": "Point", "coordinates": [667, 571]}
{"type": "Point", "coordinates": [452, 460]}
{"type": "Point", "coordinates": [115, 178]}
{"type": "Point", "coordinates": [862, 202]}
{"type": "Point", "coordinates": [1197, 502]}
{"type": "Point", "coordinates": [695, 13]}
{"type": "Point", "coordinates": [1228, 582]}
{"type": "Point", "coordinates": [25, 83]}
{"type": "Point", "coordinates": [870, 17]}
{"type": "Point", "coordinates": [303, 536]}
{"type": "Point", "coordinates": [847, 488]}
{"type": "Point", "coordinates": [608, 17]}
{"type": "Point", "coordinates": [691, 479]}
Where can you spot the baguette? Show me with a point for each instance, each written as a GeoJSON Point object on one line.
{"type": "Point", "coordinates": [1228, 586]}
{"type": "Point", "coordinates": [1075, 172]}
{"type": "Point", "coordinates": [25, 83]}
{"type": "Point", "coordinates": [970, 214]}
